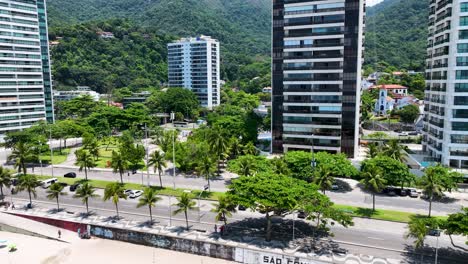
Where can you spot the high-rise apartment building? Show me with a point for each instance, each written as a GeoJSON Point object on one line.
{"type": "Point", "coordinates": [194, 64]}
{"type": "Point", "coordinates": [25, 80]}
{"type": "Point", "coordinates": [316, 71]}
{"type": "Point", "coordinates": [446, 95]}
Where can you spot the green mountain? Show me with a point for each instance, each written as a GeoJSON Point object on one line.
{"type": "Point", "coordinates": [396, 33]}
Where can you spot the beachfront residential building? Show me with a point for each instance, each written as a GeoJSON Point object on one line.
{"type": "Point", "coordinates": [194, 64]}
{"type": "Point", "coordinates": [80, 91]}
{"type": "Point", "coordinates": [317, 57]}
{"type": "Point", "coordinates": [25, 76]}
{"type": "Point", "coordinates": [446, 95]}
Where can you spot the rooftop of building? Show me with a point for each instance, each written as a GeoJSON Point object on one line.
{"type": "Point", "coordinates": [194, 39]}
{"type": "Point", "coordinates": [388, 87]}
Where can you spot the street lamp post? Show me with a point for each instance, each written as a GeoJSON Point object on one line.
{"type": "Point", "coordinates": [147, 154]}
{"type": "Point", "coordinates": [170, 210]}
{"type": "Point", "coordinates": [313, 163]}
{"type": "Point", "coordinates": [437, 246]}
{"type": "Point", "coordinates": [51, 151]}
{"type": "Point", "coordinates": [294, 225]}
{"type": "Point", "coordinates": [40, 159]}
{"type": "Point", "coordinates": [173, 151]}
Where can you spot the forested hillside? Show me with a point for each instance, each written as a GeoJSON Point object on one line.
{"type": "Point", "coordinates": [397, 33]}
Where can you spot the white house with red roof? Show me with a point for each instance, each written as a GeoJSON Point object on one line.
{"type": "Point", "coordinates": [389, 96]}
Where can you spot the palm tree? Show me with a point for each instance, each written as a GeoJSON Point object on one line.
{"type": "Point", "coordinates": [250, 149]}
{"type": "Point", "coordinates": [419, 227]}
{"type": "Point", "coordinates": [224, 208]}
{"type": "Point", "coordinates": [119, 164]}
{"type": "Point", "coordinates": [54, 192]}
{"type": "Point", "coordinates": [206, 168]}
{"type": "Point", "coordinates": [247, 166]}
{"type": "Point", "coordinates": [28, 183]}
{"type": "Point", "coordinates": [185, 203]}
{"type": "Point", "coordinates": [373, 181]}
{"type": "Point", "coordinates": [279, 166]}
{"type": "Point", "coordinates": [149, 198]}
{"type": "Point", "coordinates": [93, 149]}
{"type": "Point", "coordinates": [323, 177]}
{"type": "Point", "coordinates": [5, 180]}
{"type": "Point", "coordinates": [219, 145]}
{"type": "Point", "coordinates": [85, 192]}
{"type": "Point", "coordinates": [158, 161]}
{"type": "Point", "coordinates": [395, 151]}
{"type": "Point", "coordinates": [373, 150]}
{"type": "Point", "coordinates": [22, 153]}
{"type": "Point", "coordinates": [115, 191]}
{"type": "Point", "coordinates": [85, 161]}
{"type": "Point", "coordinates": [432, 184]}
{"type": "Point", "coordinates": [236, 147]}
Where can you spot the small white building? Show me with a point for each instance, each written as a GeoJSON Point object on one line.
{"type": "Point", "coordinates": [389, 95]}
{"type": "Point", "coordinates": [80, 91]}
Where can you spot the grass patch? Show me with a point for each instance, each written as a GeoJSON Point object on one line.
{"type": "Point", "coordinates": [58, 157]}
{"type": "Point", "coordinates": [386, 215]}
{"type": "Point", "coordinates": [213, 196]}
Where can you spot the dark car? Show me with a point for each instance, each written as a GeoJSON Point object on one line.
{"type": "Point", "coordinates": [301, 215]}
{"type": "Point", "coordinates": [73, 187]}
{"type": "Point", "coordinates": [14, 181]}
{"type": "Point", "coordinates": [70, 175]}
{"type": "Point", "coordinates": [401, 192]}
{"type": "Point", "coordinates": [242, 208]}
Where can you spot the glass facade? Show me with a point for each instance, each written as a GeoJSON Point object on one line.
{"type": "Point", "coordinates": [316, 74]}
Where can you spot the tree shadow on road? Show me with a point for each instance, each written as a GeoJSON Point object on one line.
{"type": "Point", "coordinates": [343, 186]}
{"type": "Point", "coordinates": [427, 255]}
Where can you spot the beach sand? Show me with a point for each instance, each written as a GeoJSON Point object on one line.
{"type": "Point", "coordinates": [32, 250]}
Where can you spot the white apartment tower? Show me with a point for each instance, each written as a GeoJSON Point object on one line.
{"type": "Point", "coordinates": [446, 95]}
{"type": "Point", "coordinates": [194, 64]}
{"type": "Point", "coordinates": [25, 78]}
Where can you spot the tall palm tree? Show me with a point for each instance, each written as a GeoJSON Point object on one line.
{"type": "Point", "coordinates": [158, 161]}
{"type": "Point", "coordinates": [28, 183]}
{"type": "Point", "coordinates": [394, 150]}
{"type": "Point", "coordinates": [54, 192]}
{"type": "Point", "coordinates": [419, 227]}
{"type": "Point", "coordinates": [219, 145]}
{"type": "Point", "coordinates": [280, 166]}
{"type": "Point", "coordinates": [373, 150]}
{"type": "Point", "coordinates": [86, 191]}
{"type": "Point", "coordinates": [206, 168]}
{"type": "Point", "coordinates": [149, 198]}
{"type": "Point", "coordinates": [373, 181]}
{"type": "Point", "coordinates": [115, 191]}
{"type": "Point", "coordinates": [85, 160]}
{"type": "Point", "coordinates": [93, 149]}
{"type": "Point", "coordinates": [5, 180]}
{"type": "Point", "coordinates": [119, 164]}
{"type": "Point", "coordinates": [432, 184]}
{"type": "Point", "coordinates": [22, 153]}
{"type": "Point", "coordinates": [223, 209]}
{"type": "Point", "coordinates": [323, 177]}
{"type": "Point", "coordinates": [236, 147]}
{"type": "Point", "coordinates": [247, 166]}
{"type": "Point", "coordinates": [185, 203]}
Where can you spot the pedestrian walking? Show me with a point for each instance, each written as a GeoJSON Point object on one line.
{"type": "Point", "coordinates": [222, 230]}
{"type": "Point", "coordinates": [59, 233]}
{"type": "Point", "coordinates": [216, 228]}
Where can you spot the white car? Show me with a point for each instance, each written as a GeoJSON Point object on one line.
{"type": "Point", "coordinates": [135, 194]}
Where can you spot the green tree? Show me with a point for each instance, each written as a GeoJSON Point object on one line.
{"type": "Point", "coordinates": [323, 177]}
{"type": "Point", "coordinates": [250, 149]}
{"type": "Point", "coordinates": [419, 227]}
{"type": "Point", "coordinates": [5, 180]}
{"type": "Point", "coordinates": [54, 192]}
{"type": "Point", "coordinates": [279, 166]}
{"type": "Point", "coordinates": [395, 150]}
{"type": "Point", "coordinates": [393, 171]}
{"type": "Point", "coordinates": [28, 183]}
{"type": "Point", "coordinates": [436, 180]}
{"type": "Point", "coordinates": [457, 224]}
{"type": "Point", "coordinates": [185, 203]}
{"type": "Point", "coordinates": [223, 209]}
{"type": "Point", "coordinates": [149, 198]}
{"type": "Point", "coordinates": [219, 145]}
{"type": "Point", "coordinates": [409, 113]}
{"type": "Point", "coordinates": [115, 191]}
{"type": "Point", "coordinates": [206, 168]}
{"type": "Point", "coordinates": [119, 164]}
{"type": "Point", "coordinates": [373, 181]}
{"type": "Point", "coordinates": [373, 150]}
{"type": "Point", "coordinates": [21, 154]}
{"type": "Point", "coordinates": [85, 161]}
{"type": "Point", "coordinates": [85, 192]}
{"type": "Point", "coordinates": [158, 160]}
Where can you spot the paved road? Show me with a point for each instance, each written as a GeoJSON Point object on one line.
{"type": "Point", "coordinates": [355, 197]}
{"type": "Point", "coordinates": [365, 238]}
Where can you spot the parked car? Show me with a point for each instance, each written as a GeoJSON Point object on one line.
{"type": "Point", "coordinates": [414, 133]}
{"type": "Point", "coordinates": [335, 187]}
{"type": "Point", "coordinates": [70, 175]}
{"type": "Point", "coordinates": [75, 186]}
{"type": "Point", "coordinates": [14, 181]}
{"type": "Point", "coordinates": [135, 194]}
{"type": "Point", "coordinates": [401, 192]}
{"type": "Point", "coordinates": [47, 183]}
{"type": "Point", "coordinates": [241, 208]}
{"type": "Point", "coordinates": [63, 184]}
{"type": "Point", "coordinates": [127, 192]}
{"type": "Point", "coordinates": [390, 191]}
{"type": "Point", "coordinates": [413, 193]}
{"type": "Point", "coordinates": [301, 215]}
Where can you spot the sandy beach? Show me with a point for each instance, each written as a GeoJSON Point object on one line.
{"type": "Point", "coordinates": [32, 250]}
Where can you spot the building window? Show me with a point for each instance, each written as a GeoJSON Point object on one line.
{"type": "Point", "coordinates": [464, 21]}
{"type": "Point", "coordinates": [462, 75]}
{"type": "Point", "coordinates": [463, 34]}
{"type": "Point", "coordinates": [461, 87]}
{"type": "Point", "coordinates": [460, 126]}
{"type": "Point", "coordinates": [464, 7]}
{"type": "Point", "coordinates": [462, 61]}
{"type": "Point", "coordinates": [461, 100]}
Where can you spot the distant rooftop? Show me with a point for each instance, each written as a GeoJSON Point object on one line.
{"type": "Point", "coordinates": [389, 86]}
{"type": "Point", "coordinates": [194, 39]}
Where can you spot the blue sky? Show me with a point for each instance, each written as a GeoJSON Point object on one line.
{"type": "Point", "coordinates": [373, 2]}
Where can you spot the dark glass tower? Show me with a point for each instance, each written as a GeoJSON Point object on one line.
{"type": "Point", "coordinates": [316, 75]}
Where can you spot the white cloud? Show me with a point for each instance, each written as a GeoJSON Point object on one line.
{"type": "Point", "coordinates": [373, 2]}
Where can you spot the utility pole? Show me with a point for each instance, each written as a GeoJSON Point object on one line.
{"type": "Point", "coordinates": [40, 159]}
{"type": "Point", "coordinates": [51, 151]}
{"type": "Point", "coordinates": [173, 151]}
{"type": "Point", "coordinates": [147, 154]}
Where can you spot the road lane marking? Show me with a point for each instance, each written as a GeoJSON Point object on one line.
{"type": "Point", "coordinates": [376, 238]}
